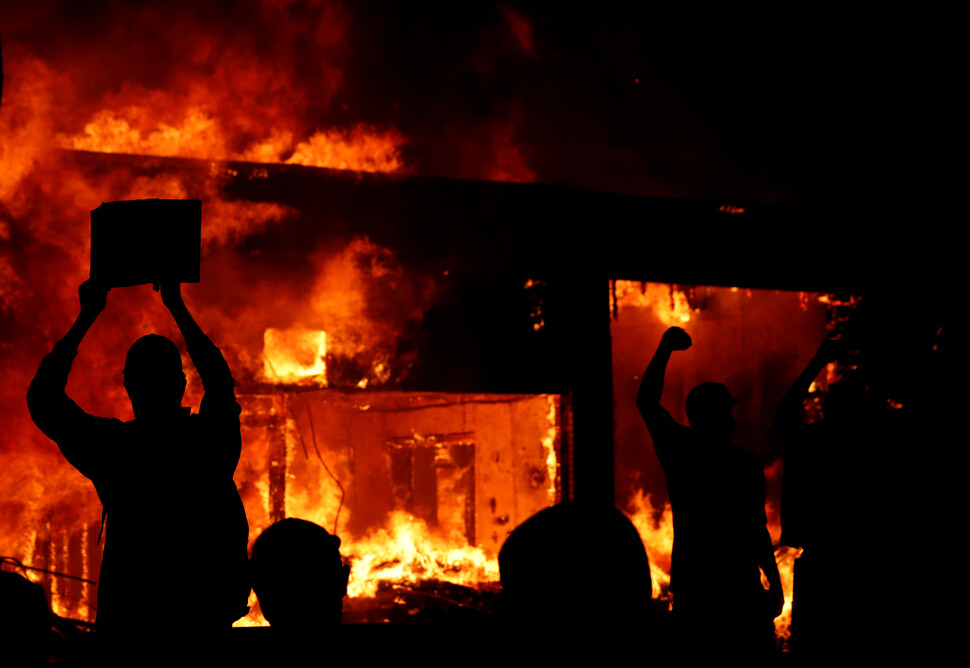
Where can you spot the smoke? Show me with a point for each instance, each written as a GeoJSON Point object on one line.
{"type": "Point", "coordinates": [625, 100]}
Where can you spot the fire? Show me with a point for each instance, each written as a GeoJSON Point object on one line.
{"type": "Point", "coordinates": [226, 99]}
{"type": "Point", "coordinates": [363, 149]}
{"type": "Point", "coordinates": [656, 528]}
{"type": "Point", "coordinates": [669, 304]}
{"type": "Point", "coordinates": [199, 135]}
{"type": "Point", "coordinates": [196, 136]}
{"type": "Point", "coordinates": [549, 445]}
{"type": "Point", "coordinates": [407, 551]}
{"type": "Point", "coordinates": [295, 356]}
{"type": "Point", "coordinates": [785, 557]}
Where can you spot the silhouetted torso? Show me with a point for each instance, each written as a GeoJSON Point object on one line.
{"type": "Point", "coordinates": [176, 530]}
{"type": "Point", "coordinates": [717, 494]}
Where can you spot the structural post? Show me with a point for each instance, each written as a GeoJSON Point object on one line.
{"type": "Point", "coordinates": [589, 355]}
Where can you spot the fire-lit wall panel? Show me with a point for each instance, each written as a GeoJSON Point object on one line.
{"type": "Point", "coordinates": [463, 470]}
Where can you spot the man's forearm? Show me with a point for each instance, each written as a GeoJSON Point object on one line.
{"type": "Point", "coordinates": [790, 403]}
{"type": "Point", "coordinates": [47, 401]}
{"type": "Point", "coordinates": [77, 331]}
{"type": "Point", "coordinates": [206, 357]}
{"type": "Point", "coordinates": [652, 384]}
{"type": "Point", "coordinates": [187, 325]}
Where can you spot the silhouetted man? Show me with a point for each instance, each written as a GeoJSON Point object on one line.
{"type": "Point", "coordinates": [176, 530]}
{"type": "Point", "coordinates": [300, 581]}
{"type": "Point", "coordinates": [299, 577]}
{"type": "Point", "coordinates": [717, 493]}
{"type": "Point", "coordinates": [25, 622]}
{"type": "Point", "coordinates": [822, 509]}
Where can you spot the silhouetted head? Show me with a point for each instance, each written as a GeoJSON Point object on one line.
{"type": "Point", "coordinates": [153, 376]}
{"type": "Point", "coordinates": [576, 564]}
{"type": "Point", "coordinates": [709, 410]}
{"type": "Point", "coordinates": [298, 575]}
{"type": "Point", "coordinates": [25, 621]}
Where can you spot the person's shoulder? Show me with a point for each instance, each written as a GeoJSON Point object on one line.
{"type": "Point", "coordinates": [658, 417]}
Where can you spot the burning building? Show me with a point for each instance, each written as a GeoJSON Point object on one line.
{"type": "Point", "coordinates": [436, 330]}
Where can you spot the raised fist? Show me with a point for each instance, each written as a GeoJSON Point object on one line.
{"type": "Point", "coordinates": [676, 339]}
{"type": "Point", "coordinates": [93, 297]}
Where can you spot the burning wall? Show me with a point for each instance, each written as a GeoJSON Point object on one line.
{"type": "Point", "coordinates": [459, 470]}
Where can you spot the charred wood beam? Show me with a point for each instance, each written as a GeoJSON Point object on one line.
{"type": "Point", "coordinates": [493, 229]}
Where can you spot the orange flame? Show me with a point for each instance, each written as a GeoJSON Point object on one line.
{"type": "Point", "coordinates": [363, 149]}
{"type": "Point", "coordinates": [406, 551]}
{"type": "Point", "coordinates": [295, 356]}
{"type": "Point", "coordinates": [669, 304]}
{"type": "Point", "coordinates": [656, 528]}
{"type": "Point", "coordinates": [199, 135]}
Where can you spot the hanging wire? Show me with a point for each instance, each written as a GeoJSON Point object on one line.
{"type": "Point", "coordinates": [19, 564]}
{"type": "Point", "coordinates": [316, 449]}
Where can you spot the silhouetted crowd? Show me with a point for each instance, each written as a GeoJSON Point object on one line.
{"type": "Point", "coordinates": [575, 576]}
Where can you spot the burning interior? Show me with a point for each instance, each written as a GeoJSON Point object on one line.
{"type": "Point", "coordinates": [428, 346]}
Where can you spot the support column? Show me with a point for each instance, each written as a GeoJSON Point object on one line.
{"type": "Point", "coordinates": [590, 359]}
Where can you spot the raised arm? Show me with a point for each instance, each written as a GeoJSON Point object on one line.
{"type": "Point", "coordinates": [788, 409]}
{"type": "Point", "coordinates": [652, 384]}
{"type": "Point", "coordinates": [219, 409]}
{"type": "Point", "coordinates": [55, 413]}
{"type": "Point", "coordinates": [93, 298]}
{"type": "Point", "coordinates": [206, 357]}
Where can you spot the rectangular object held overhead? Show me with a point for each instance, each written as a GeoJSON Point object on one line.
{"type": "Point", "coordinates": [146, 241]}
